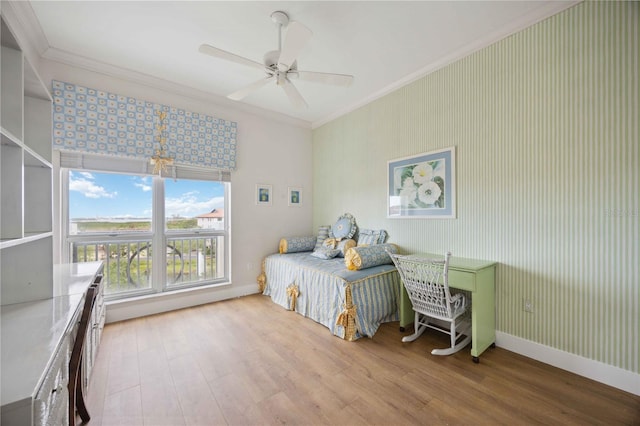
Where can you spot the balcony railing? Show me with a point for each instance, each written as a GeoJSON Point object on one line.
{"type": "Point", "coordinates": [128, 264]}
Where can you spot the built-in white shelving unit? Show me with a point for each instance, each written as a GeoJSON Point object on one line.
{"type": "Point", "coordinates": [40, 304]}
{"type": "Point", "coordinates": [26, 237]}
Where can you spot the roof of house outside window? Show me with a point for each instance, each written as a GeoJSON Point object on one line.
{"type": "Point", "coordinates": [215, 213]}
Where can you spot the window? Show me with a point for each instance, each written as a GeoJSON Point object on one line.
{"type": "Point", "coordinates": [154, 234]}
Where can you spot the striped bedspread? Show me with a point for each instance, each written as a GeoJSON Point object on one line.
{"type": "Point", "coordinates": [330, 294]}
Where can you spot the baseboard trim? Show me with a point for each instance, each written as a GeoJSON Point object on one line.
{"type": "Point", "coordinates": [609, 375]}
{"type": "Point", "coordinates": [120, 310]}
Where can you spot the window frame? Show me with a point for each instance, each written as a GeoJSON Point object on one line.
{"type": "Point", "coordinates": [159, 234]}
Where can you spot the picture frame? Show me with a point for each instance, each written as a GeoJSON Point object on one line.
{"type": "Point", "coordinates": [264, 194]}
{"type": "Point", "coordinates": [422, 186]}
{"type": "Point", "coordinates": [294, 196]}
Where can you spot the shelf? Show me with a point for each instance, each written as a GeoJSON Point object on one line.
{"type": "Point", "coordinates": [11, 189]}
{"type": "Point", "coordinates": [33, 159]}
{"type": "Point", "coordinates": [26, 178]}
{"type": "Point", "coordinates": [38, 124]}
{"type": "Point", "coordinates": [38, 188]}
{"type": "Point", "coordinates": [5, 244]}
{"type": "Point", "coordinates": [36, 323]}
{"type": "Point", "coordinates": [37, 114]}
{"type": "Point", "coordinates": [26, 271]}
{"type": "Point", "coordinates": [11, 82]}
{"type": "Point", "coordinates": [9, 138]}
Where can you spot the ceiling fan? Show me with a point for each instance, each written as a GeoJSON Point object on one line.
{"type": "Point", "coordinates": [281, 65]}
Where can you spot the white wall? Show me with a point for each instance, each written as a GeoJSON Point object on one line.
{"type": "Point", "coordinates": [272, 149]}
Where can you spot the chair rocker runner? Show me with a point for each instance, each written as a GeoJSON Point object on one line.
{"type": "Point", "coordinates": [427, 284]}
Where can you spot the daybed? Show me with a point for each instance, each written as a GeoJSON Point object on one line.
{"type": "Point", "coordinates": [351, 295]}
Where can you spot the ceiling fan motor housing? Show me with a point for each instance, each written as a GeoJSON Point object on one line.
{"type": "Point", "coordinates": [271, 60]}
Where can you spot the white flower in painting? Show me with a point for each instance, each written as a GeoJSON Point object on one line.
{"type": "Point", "coordinates": [429, 193]}
{"type": "Point", "coordinates": [408, 183]}
{"type": "Point", "coordinates": [422, 173]}
{"type": "Point", "coordinates": [408, 192]}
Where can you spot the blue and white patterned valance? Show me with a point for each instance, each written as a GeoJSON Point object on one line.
{"type": "Point", "coordinates": [95, 121]}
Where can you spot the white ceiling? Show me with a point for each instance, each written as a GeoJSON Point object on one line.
{"type": "Point", "coordinates": [383, 44]}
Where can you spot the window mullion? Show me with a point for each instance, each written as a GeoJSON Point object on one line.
{"type": "Point", "coordinates": [159, 241]}
{"type": "Point", "coordinates": [64, 209]}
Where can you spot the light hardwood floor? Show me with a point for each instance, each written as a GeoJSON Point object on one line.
{"type": "Point", "coordinates": [248, 361]}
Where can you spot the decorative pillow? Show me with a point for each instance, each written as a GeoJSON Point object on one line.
{"type": "Point", "coordinates": [342, 245]}
{"type": "Point", "coordinates": [325, 253]}
{"type": "Point", "coordinates": [344, 228]}
{"type": "Point", "coordinates": [323, 234]}
{"type": "Point", "coordinates": [362, 257]}
{"type": "Point", "coordinates": [296, 244]}
{"type": "Point", "coordinates": [367, 237]}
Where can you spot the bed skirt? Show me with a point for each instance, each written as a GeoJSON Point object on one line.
{"type": "Point", "coordinates": [351, 304]}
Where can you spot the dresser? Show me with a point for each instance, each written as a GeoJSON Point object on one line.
{"type": "Point", "coordinates": [37, 338]}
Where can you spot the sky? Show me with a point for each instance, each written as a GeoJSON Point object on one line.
{"type": "Point", "coordinates": [108, 195]}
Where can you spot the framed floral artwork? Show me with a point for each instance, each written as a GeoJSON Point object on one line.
{"type": "Point", "coordinates": [422, 186]}
{"type": "Point", "coordinates": [295, 196]}
{"type": "Point", "coordinates": [263, 194]}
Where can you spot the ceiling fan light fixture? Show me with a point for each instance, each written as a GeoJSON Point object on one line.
{"type": "Point", "coordinates": [281, 64]}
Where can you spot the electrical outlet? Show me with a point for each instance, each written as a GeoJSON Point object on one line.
{"type": "Point", "coordinates": [528, 306]}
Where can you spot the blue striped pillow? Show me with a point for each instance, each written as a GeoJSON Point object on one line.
{"type": "Point", "coordinates": [323, 234]}
{"type": "Point", "coordinates": [368, 237]}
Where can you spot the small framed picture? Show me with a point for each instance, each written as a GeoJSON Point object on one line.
{"type": "Point", "coordinates": [295, 196]}
{"type": "Point", "coordinates": [263, 194]}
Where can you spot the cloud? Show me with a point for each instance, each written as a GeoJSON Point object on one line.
{"type": "Point", "coordinates": [143, 183]}
{"type": "Point", "coordinates": [87, 187]}
{"type": "Point", "coordinates": [142, 186]}
{"type": "Point", "coordinates": [188, 205]}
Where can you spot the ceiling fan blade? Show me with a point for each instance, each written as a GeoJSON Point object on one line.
{"type": "Point", "coordinates": [294, 96]}
{"type": "Point", "coordinates": [223, 54]}
{"type": "Point", "coordinates": [240, 94]}
{"type": "Point", "coordinates": [297, 37]}
{"type": "Point", "coordinates": [322, 77]}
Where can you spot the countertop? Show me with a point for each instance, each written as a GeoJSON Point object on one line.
{"type": "Point", "coordinates": [32, 332]}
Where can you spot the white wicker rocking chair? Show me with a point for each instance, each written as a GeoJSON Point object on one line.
{"type": "Point", "coordinates": [427, 283]}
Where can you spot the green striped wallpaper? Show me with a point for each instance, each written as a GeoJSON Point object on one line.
{"type": "Point", "coordinates": [546, 128]}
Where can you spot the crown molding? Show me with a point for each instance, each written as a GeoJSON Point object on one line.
{"type": "Point", "coordinates": [27, 27]}
{"type": "Point", "coordinates": [71, 59]}
{"type": "Point", "coordinates": [36, 46]}
{"type": "Point", "coordinates": [524, 22]}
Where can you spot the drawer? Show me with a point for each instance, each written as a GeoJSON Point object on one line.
{"type": "Point", "coordinates": [53, 394]}
{"type": "Point", "coordinates": [101, 322]}
{"type": "Point", "coordinates": [462, 280]}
